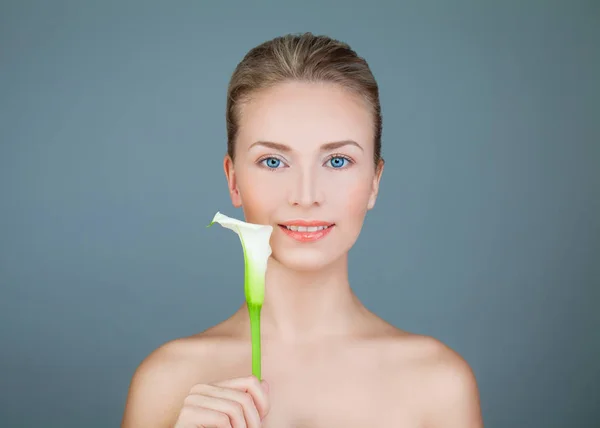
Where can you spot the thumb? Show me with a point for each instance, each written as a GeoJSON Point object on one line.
{"type": "Point", "coordinates": [264, 385]}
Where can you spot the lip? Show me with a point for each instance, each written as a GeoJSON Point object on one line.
{"type": "Point", "coordinates": [306, 223]}
{"type": "Point", "coordinates": [307, 236]}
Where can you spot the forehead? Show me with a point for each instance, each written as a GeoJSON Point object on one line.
{"type": "Point", "coordinates": [303, 114]}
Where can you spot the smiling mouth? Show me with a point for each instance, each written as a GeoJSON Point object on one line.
{"type": "Point", "coordinates": [307, 233]}
{"type": "Point", "coordinates": [306, 228]}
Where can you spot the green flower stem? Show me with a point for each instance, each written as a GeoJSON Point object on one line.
{"type": "Point", "coordinates": [255, 244]}
{"type": "Point", "coordinates": [254, 311]}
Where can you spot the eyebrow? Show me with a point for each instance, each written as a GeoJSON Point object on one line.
{"type": "Point", "coordinates": [287, 149]}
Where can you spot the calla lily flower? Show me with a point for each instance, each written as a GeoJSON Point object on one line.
{"type": "Point", "coordinates": [255, 244]}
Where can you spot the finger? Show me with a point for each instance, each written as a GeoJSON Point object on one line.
{"type": "Point", "coordinates": [237, 404]}
{"type": "Point", "coordinates": [252, 386]}
{"type": "Point", "coordinates": [239, 415]}
{"type": "Point", "coordinates": [202, 417]}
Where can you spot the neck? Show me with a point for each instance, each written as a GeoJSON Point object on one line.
{"type": "Point", "coordinates": [308, 306]}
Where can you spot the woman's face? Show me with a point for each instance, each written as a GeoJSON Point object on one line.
{"type": "Point", "coordinates": [304, 157]}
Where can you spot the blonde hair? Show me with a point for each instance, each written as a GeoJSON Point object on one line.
{"type": "Point", "coordinates": [301, 57]}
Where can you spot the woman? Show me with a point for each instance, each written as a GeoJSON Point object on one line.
{"type": "Point", "coordinates": [304, 151]}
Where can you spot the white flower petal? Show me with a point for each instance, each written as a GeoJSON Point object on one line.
{"type": "Point", "coordinates": [255, 243]}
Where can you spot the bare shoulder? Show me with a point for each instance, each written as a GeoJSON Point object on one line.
{"type": "Point", "coordinates": [444, 382]}
{"type": "Point", "coordinates": [160, 383]}
{"type": "Point", "coordinates": [164, 378]}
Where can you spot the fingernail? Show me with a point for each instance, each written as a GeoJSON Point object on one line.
{"type": "Point", "coordinates": [265, 385]}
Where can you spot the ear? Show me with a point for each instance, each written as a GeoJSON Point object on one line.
{"type": "Point", "coordinates": [375, 185]}
{"type": "Point", "coordinates": [234, 192]}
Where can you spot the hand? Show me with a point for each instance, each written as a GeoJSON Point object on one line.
{"type": "Point", "coordinates": [234, 403]}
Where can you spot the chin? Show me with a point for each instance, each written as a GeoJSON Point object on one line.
{"type": "Point", "coordinates": [305, 260]}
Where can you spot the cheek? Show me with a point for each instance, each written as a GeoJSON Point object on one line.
{"type": "Point", "coordinates": [352, 198]}
{"type": "Point", "coordinates": [259, 198]}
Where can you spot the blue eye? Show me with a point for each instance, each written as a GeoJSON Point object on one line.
{"type": "Point", "coordinates": [271, 163]}
{"type": "Point", "coordinates": [338, 161]}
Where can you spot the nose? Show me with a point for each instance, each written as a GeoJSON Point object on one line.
{"type": "Point", "coordinates": [306, 189]}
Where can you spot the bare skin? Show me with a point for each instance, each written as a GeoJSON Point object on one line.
{"type": "Point", "coordinates": [376, 376]}
{"type": "Point", "coordinates": [327, 360]}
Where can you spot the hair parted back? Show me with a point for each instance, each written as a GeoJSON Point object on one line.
{"type": "Point", "coordinates": [301, 57]}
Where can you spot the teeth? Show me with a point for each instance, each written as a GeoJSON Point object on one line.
{"type": "Point", "coordinates": [306, 229]}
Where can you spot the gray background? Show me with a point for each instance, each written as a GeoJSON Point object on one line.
{"type": "Point", "coordinates": [486, 233]}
